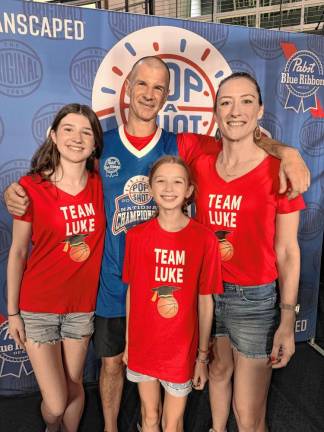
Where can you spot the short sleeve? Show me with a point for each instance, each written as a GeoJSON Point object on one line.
{"type": "Point", "coordinates": [191, 146]}
{"type": "Point", "coordinates": [210, 280]}
{"type": "Point", "coordinates": [28, 216]}
{"type": "Point", "coordinates": [289, 206]}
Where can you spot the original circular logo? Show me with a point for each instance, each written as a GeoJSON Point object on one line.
{"type": "Point", "coordinates": [112, 166]}
{"type": "Point", "coordinates": [5, 240]}
{"type": "Point", "coordinates": [311, 221]}
{"type": "Point", "coordinates": [1, 130]}
{"type": "Point", "coordinates": [137, 188]}
{"type": "Point", "coordinates": [216, 35]}
{"type": "Point", "coordinates": [311, 137]}
{"type": "Point", "coordinates": [13, 358]}
{"type": "Point", "coordinates": [196, 69]}
{"type": "Point", "coordinates": [43, 119]}
{"type": "Point", "coordinates": [303, 75]}
{"type": "Point", "coordinates": [271, 123]}
{"type": "Point", "coordinates": [12, 171]}
{"type": "Point", "coordinates": [21, 69]}
{"type": "Point", "coordinates": [266, 43]}
{"type": "Point", "coordinates": [122, 24]}
{"type": "Point", "coordinates": [83, 69]}
{"type": "Point", "coordinates": [240, 66]}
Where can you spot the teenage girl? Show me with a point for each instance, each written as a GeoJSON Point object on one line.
{"type": "Point", "coordinates": [52, 292]}
{"type": "Point", "coordinates": [172, 267]}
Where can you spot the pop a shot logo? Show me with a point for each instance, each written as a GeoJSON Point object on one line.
{"type": "Point", "coordinates": [134, 205]}
{"type": "Point", "coordinates": [196, 69]}
{"type": "Point", "coordinates": [13, 360]}
{"type": "Point", "coordinates": [303, 76]}
{"type": "Point", "coordinates": [21, 70]}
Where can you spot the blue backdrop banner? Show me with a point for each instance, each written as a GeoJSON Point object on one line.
{"type": "Point", "coordinates": [51, 55]}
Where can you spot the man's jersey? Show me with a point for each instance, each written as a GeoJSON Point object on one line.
{"type": "Point", "coordinates": [124, 172]}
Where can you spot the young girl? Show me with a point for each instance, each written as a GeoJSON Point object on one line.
{"type": "Point", "coordinates": [172, 267]}
{"type": "Point", "coordinates": [52, 293]}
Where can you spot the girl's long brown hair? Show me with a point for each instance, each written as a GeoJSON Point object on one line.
{"type": "Point", "coordinates": [47, 158]}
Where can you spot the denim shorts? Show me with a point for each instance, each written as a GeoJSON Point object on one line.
{"type": "Point", "coordinates": [174, 389]}
{"type": "Point", "coordinates": [249, 316]}
{"type": "Point", "coordinates": [50, 327]}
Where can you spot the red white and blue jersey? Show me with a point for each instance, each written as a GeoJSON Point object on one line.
{"type": "Point", "coordinates": [124, 172]}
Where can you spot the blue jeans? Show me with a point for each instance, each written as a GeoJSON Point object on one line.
{"type": "Point", "coordinates": [249, 316]}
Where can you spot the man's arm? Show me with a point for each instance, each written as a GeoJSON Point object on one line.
{"type": "Point", "coordinates": [16, 199]}
{"type": "Point", "coordinates": [294, 175]}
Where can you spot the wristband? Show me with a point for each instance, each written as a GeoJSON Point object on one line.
{"type": "Point", "coordinates": [293, 308]}
{"type": "Point", "coordinates": [205, 361]}
{"type": "Point", "coordinates": [17, 313]}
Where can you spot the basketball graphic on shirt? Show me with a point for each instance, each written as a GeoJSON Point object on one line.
{"type": "Point", "coordinates": [167, 305]}
{"type": "Point", "coordinates": [226, 248]}
{"type": "Point", "coordinates": [79, 250]}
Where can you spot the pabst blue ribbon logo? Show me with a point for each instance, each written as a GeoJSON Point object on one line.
{"type": "Point", "coordinates": [43, 119]}
{"type": "Point", "coordinates": [11, 171]}
{"type": "Point", "coordinates": [13, 360]}
{"type": "Point", "coordinates": [21, 70]}
{"type": "Point", "coordinates": [111, 166]}
{"type": "Point", "coordinates": [303, 76]}
{"type": "Point", "coordinates": [134, 206]}
{"type": "Point", "coordinates": [83, 69]}
{"type": "Point", "coordinates": [196, 68]}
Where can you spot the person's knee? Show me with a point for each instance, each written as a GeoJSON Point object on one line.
{"type": "Point", "coordinates": [112, 366]}
{"type": "Point", "coordinates": [220, 371]}
{"type": "Point", "coordinates": [55, 409]}
{"type": "Point", "coordinates": [150, 417]}
{"type": "Point", "coordinates": [247, 421]}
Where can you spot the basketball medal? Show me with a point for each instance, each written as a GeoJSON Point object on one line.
{"type": "Point", "coordinates": [226, 248]}
{"type": "Point", "coordinates": [167, 305]}
{"type": "Point", "coordinates": [79, 250]}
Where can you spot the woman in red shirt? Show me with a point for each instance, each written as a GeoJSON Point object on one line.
{"type": "Point", "coordinates": [257, 232]}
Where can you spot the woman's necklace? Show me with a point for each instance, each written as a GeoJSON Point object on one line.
{"type": "Point", "coordinates": [240, 169]}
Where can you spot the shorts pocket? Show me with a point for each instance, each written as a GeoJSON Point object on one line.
{"type": "Point", "coordinates": [259, 293]}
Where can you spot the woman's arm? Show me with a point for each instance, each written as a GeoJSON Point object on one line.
{"type": "Point", "coordinates": [288, 263]}
{"type": "Point", "coordinates": [18, 253]}
{"type": "Point", "coordinates": [125, 355]}
{"type": "Point", "coordinates": [292, 167]}
{"type": "Point", "coordinates": [205, 317]}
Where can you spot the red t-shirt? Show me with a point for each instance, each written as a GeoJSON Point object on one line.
{"type": "Point", "coordinates": [67, 235]}
{"type": "Point", "coordinates": [242, 214]}
{"type": "Point", "coordinates": [166, 271]}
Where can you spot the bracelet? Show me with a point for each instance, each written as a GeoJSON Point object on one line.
{"type": "Point", "coordinates": [203, 351]}
{"type": "Point", "coordinates": [199, 360]}
{"type": "Point", "coordinates": [17, 313]}
{"type": "Point", "coordinates": [294, 308]}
